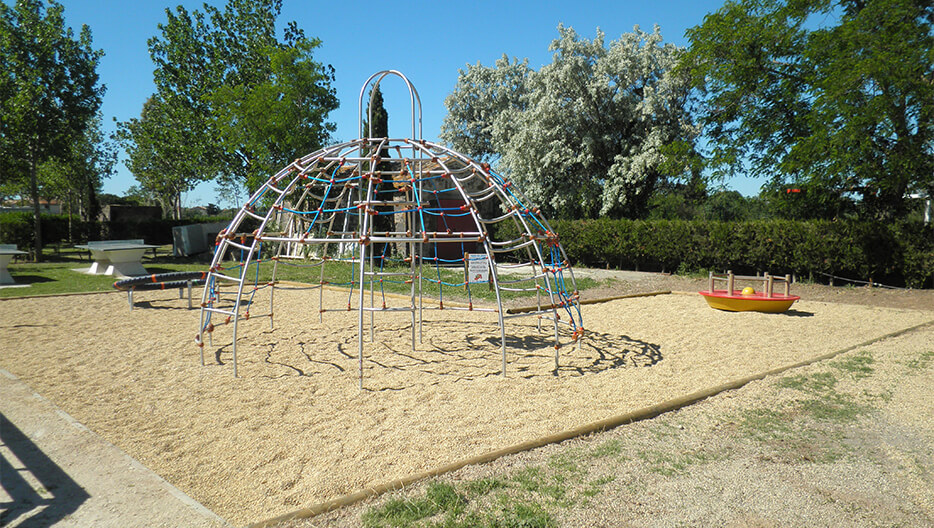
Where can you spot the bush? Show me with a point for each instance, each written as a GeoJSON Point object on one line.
{"type": "Point", "coordinates": [895, 254]}
{"type": "Point", "coordinates": [17, 228]}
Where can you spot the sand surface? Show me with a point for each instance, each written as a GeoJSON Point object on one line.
{"type": "Point", "coordinates": [294, 429]}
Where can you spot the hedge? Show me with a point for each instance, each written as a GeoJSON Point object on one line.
{"type": "Point", "coordinates": [17, 228]}
{"type": "Point", "coordinates": [898, 254]}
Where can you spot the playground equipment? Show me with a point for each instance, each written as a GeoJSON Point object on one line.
{"type": "Point", "coordinates": [394, 210]}
{"type": "Point", "coordinates": [748, 299]}
{"type": "Point", "coordinates": [162, 281]}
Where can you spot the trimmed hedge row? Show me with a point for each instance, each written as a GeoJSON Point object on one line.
{"type": "Point", "coordinates": [17, 228]}
{"type": "Point", "coordinates": [895, 254]}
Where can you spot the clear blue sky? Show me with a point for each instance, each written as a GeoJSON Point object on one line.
{"type": "Point", "coordinates": [426, 40]}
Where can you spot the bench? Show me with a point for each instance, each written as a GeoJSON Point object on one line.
{"type": "Point", "coordinates": [117, 257]}
{"type": "Point", "coordinates": [7, 252]}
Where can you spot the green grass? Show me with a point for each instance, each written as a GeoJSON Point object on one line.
{"type": "Point", "coordinates": [808, 427]}
{"type": "Point", "coordinates": [438, 498]}
{"type": "Point", "coordinates": [670, 464]}
{"type": "Point", "coordinates": [57, 276]}
{"type": "Point", "coordinates": [858, 365]}
{"type": "Point", "coordinates": [526, 497]}
{"type": "Point", "coordinates": [481, 487]}
{"type": "Point", "coordinates": [817, 383]}
{"type": "Point", "coordinates": [612, 448]}
{"type": "Point", "coordinates": [922, 361]}
{"type": "Point", "coordinates": [468, 505]}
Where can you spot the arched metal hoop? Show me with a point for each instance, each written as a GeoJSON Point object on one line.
{"type": "Point", "coordinates": [415, 100]}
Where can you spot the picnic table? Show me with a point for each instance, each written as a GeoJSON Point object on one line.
{"type": "Point", "coordinates": [117, 257]}
{"type": "Point", "coordinates": [7, 252]}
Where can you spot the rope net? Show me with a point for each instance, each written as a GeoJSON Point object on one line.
{"type": "Point", "coordinates": [395, 211]}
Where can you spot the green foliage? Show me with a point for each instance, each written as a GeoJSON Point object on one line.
{"type": "Point", "coordinates": [231, 103]}
{"type": "Point", "coordinates": [858, 365]}
{"type": "Point", "coordinates": [76, 176]}
{"type": "Point", "coordinates": [166, 150]}
{"type": "Point", "coordinates": [439, 497]}
{"type": "Point", "coordinates": [276, 119]}
{"type": "Point", "coordinates": [844, 112]}
{"type": "Point", "coordinates": [16, 228]}
{"type": "Point", "coordinates": [485, 99]}
{"type": "Point", "coordinates": [594, 132]}
{"type": "Point", "coordinates": [49, 93]}
{"type": "Point", "coordinates": [891, 253]}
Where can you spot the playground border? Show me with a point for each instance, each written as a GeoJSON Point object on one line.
{"type": "Point", "coordinates": [599, 426]}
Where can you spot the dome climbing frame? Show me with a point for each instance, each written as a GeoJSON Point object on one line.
{"type": "Point", "coordinates": [394, 210]}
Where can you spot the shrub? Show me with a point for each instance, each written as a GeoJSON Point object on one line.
{"type": "Point", "coordinates": [895, 253]}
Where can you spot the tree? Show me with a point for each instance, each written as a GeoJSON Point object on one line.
{"type": "Point", "coordinates": [845, 111]}
{"type": "Point", "coordinates": [137, 195]}
{"type": "Point", "coordinates": [484, 99]}
{"type": "Point", "coordinates": [384, 190]}
{"type": "Point", "coordinates": [592, 133]}
{"type": "Point", "coordinates": [49, 92]}
{"type": "Point", "coordinates": [242, 101]}
{"type": "Point", "coordinates": [78, 175]}
{"type": "Point", "coordinates": [268, 123]}
{"type": "Point", "coordinates": [159, 157]}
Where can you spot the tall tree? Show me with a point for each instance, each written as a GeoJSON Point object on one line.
{"type": "Point", "coordinates": [384, 190]}
{"type": "Point", "coordinates": [486, 98]}
{"type": "Point", "coordinates": [160, 158]}
{"type": "Point", "coordinates": [592, 133]}
{"type": "Point", "coordinates": [244, 101]}
{"type": "Point", "coordinates": [77, 175]}
{"type": "Point", "coordinates": [844, 112]}
{"type": "Point", "coordinates": [264, 124]}
{"type": "Point", "coordinates": [49, 92]}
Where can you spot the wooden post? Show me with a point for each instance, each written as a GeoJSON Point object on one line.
{"type": "Point", "coordinates": [710, 282]}
{"type": "Point", "coordinates": [769, 282]}
{"type": "Point", "coordinates": [787, 285]}
{"type": "Point", "coordinates": [729, 282]}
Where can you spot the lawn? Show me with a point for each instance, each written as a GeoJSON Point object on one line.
{"type": "Point", "coordinates": [57, 275]}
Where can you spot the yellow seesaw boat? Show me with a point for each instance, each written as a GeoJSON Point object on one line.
{"type": "Point", "coordinates": [748, 299]}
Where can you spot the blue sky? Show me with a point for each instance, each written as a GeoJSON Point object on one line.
{"type": "Point", "coordinates": [427, 41]}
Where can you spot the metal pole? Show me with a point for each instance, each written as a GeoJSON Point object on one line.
{"type": "Point", "coordinates": [360, 314]}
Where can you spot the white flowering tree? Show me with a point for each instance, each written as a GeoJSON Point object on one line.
{"type": "Point", "coordinates": [592, 133]}
{"type": "Point", "coordinates": [484, 100]}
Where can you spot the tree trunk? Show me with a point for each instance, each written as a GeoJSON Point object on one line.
{"type": "Point", "coordinates": [37, 212]}
{"type": "Point", "coordinates": [94, 207]}
{"type": "Point", "coordinates": [71, 211]}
